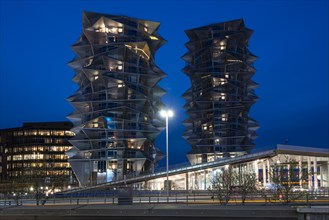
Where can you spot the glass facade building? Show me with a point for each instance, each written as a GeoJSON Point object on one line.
{"type": "Point", "coordinates": [220, 68]}
{"type": "Point", "coordinates": [116, 106]}
{"type": "Point", "coordinates": [35, 155]}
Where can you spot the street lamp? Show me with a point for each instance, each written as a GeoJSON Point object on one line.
{"type": "Point", "coordinates": [166, 114]}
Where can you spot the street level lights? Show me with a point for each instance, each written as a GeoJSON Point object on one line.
{"type": "Point", "coordinates": [166, 114]}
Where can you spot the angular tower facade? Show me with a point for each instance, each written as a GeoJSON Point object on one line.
{"type": "Point", "coordinates": [220, 68]}
{"type": "Point", "coordinates": [117, 103]}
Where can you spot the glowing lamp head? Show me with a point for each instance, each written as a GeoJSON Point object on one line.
{"type": "Point", "coordinates": [163, 113]}
{"type": "Point", "coordinates": [170, 113]}
{"type": "Point", "coordinates": [166, 113]}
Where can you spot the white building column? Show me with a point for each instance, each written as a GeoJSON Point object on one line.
{"type": "Point", "coordinates": [256, 170]}
{"type": "Point", "coordinates": [192, 180]}
{"type": "Point", "coordinates": [300, 170]}
{"type": "Point", "coordinates": [199, 181]}
{"type": "Point", "coordinates": [289, 177]}
{"type": "Point", "coordinates": [315, 170]}
{"type": "Point", "coordinates": [264, 173]}
{"type": "Point", "coordinates": [250, 168]}
{"type": "Point", "coordinates": [268, 171]}
{"type": "Point", "coordinates": [205, 179]}
{"type": "Point", "coordinates": [309, 171]}
{"type": "Point", "coordinates": [321, 176]}
{"type": "Point", "coordinates": [327, 175]}
{"type": "Point", "coordinates": [240, 171]}
{"type": "Point", "coordinates": [195, 181]}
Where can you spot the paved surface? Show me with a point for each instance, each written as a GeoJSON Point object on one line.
{"type": "Point", "coordinates": [159, 211]}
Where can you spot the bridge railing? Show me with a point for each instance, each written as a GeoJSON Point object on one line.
{"type": "Point", "coordinates": [151, 197]}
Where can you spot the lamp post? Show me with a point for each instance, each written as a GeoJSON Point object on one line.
{"type": "Point", "coordinates": [166, 114]}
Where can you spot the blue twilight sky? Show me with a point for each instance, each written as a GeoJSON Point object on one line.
{"type": "Point", "coordinates": [290, 39]}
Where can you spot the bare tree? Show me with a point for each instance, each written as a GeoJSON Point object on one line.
{"type": "Point", "coordinates": [285, 176]}
{"type": "Point", "coordinates": [222, 185]}
{"type": "Point", "coordinates": [32, 181]}
{"type": "Point", "coordinates": [15, 190]}
{"type": "Point", "coordinates": [247, 185]}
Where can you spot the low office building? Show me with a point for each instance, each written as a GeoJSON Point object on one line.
{"type": "Point", "coordinates": [314, 162]}
{"type": "Point", "coordinates": [34, 156]}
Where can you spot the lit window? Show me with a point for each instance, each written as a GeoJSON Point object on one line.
{"type": "Point", "coordinates": [102, 28]}
{"type": "Point", "coordinates": [69, 133]}
{"type": "Point", "coordinates": [96, 77]}
{"type": "Point", "coordinates": [139, 51]}
{"type": "Point", "coordinates": [89, 63]}
{"type": "Point", "coordinates": [223, 81]}
{"type": "Point", "coordinates": [224, 117]}
{"type": "Point", "coordinates": [216, 82]}
{"type": "Point", "coordinates": [222, 45]}
{"type": "Point", "coordinates": [227, 76]}
{"type": "Point", "coordinates": [120, 30]}
{"type": "Point", "coordinates": [95, 125]}
{"type": "Point", "coordinates": [237, 61]}
{"type": "Point", "coordinates": [112, 165]}
{"type": "Point", "coordinates": [120, 67]}
{"type": "Point", "coordinates": [154, 38]}
{"type": "Point", "coordinates": [120, 85]}
{"type": "Point", "coordinates": [205, 127]}
{"type": "Point", "coordinates": [145, 29]}
{"type": "Point", "coordinates": [223, 96]}
{"type": "Point", "coordinates": [87, 155]}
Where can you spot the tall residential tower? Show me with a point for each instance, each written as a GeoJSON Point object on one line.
{"type": "Point", "coordinates": [116, 106]}
{"type": "Point", "coordinates": [220, 68]}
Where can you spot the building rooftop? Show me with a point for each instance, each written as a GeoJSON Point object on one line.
{"type": "Point", "coordinates": [302, 150]}
{"type": "Point", "coordinates": [43, 125]}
